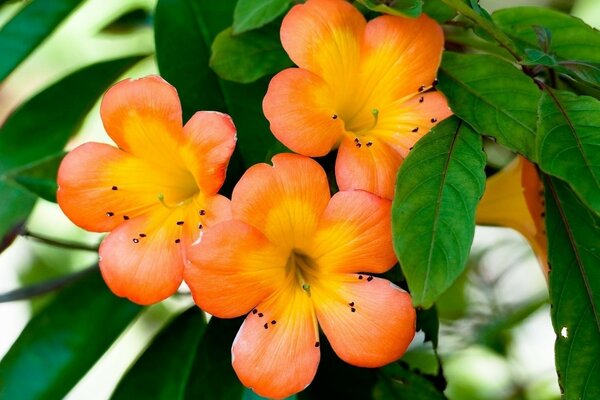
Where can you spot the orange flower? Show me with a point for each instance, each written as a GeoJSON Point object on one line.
{"type": "Point", "coordinates": [293, 256]}
{"type": "Point", "coordinates": [155, 193]}
{"type": "Point", "coordinates": [361, 86]}
{"type": "Point", "coordinates": [514, 198]}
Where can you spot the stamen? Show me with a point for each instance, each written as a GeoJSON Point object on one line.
{"type": "Point", "coordinates": [353, 309]}
{"type": "Point", "coordinates": [306, 288]}
{"type": "Point", "coordinates": [273, 322]}
{"type": "Point", "coordinates": [433, 120]}
{"type": "Point", "coordinates": [351, 304]}
{"type": "Point", "coordinates": [356, 140]}
{"type": "Point", "coordinates": [360, 277]}
{"type": "Point", "coordinates": [317, 344]}
{"type": "Point", "coordinates": [200, 226]}
{"type": "Point", "coordinates": [369, 144]}
{"type": "Point", "coordinates": [177, 240]}
{"type": "Point", "coordinates": [180, 222]}
{"type": "Point", "coordinates": [334, 116]}
{"type": "Point", "coordinates": [435, 82]}
{"type": "Point", "coordinates": [135, 240]}
{"type": "Point", "coordinates": [266, 326]}
{"type": "Point", "coordinates": [202, 212]}
{"type": "Point", "coordinates": [369, 279]}
{"type": "Point", "coordinates": [254, 311]}
{"type": "Point", "coordinates": [415, 129]}
{"type": "Point", "coordinates": [115, 188]}
{"type": "Point", "coordinates": [421, 88]}
{"type": "Point", "coordinates": [260, 315]}
{"type": "Point", "coordinates": [375, 113]}
{"type": "Point", "coordinates": [125, 217]}
{"type": "Point", "coordinates": [142, 235]}
{"type": "Point", "coordinates": [421, 99]}
{"type": "Point", "coordinates": [161, 199]}
{"type": "Point", "coordinates": [110, 214]}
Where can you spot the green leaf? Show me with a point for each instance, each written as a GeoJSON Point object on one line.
{"type": "Point", "coordinates": [26, 30]}
{"type": "Point", "coordinates": [253, 14]}
{"type": "Point", "coordinates": [62, 342]}
{"type": "Point", "coordinates": [568, 142]}
{"type": "Point", "coordinates": [494, 97]}
{"type": "Point", "coordinates": [212, 376]}
{"type": "Point", "coordinates": [429, 323]}
{"type": "Point", "coordinates": [574, 254]}
{"type": "Point", "coordinates": [39, 177]}
{"type": "Point", "coordinates": [249, 56]}
{"type": "Point", "coordinates": [163, 370]}
{"type": "Point", "coordinates": [403, 8]}
{"type": "Point", "coordinates": [572, 39]}
{"type": "Point", "coordinates": [129, 21]}
{"type": "Point", "coordinates": [587, 73]}
{"type": "Point", "coordinates": [399, 383]}
{"type": "Point", "coordinates": [433, 213]}
{"type": "Point", "coordinates": [438, 10]}
{"type": "Point", "coordinates": [42, 126]}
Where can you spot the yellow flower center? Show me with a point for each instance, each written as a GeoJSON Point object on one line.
{"type": "Point", "coordinates": [302, 270]}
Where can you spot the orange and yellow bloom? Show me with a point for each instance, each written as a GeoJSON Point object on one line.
{"type": "Point", "coordinates": [514, 198]}
{"type": "Point", "coordinates": [155, 193]}
{"type": "Point", "coordinates": [362, 87]}
{"type": "Point", "coordinates": [293, 258]}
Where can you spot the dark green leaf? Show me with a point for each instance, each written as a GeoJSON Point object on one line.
{"type": "Point", "coordinates": [538, 57]}
{"type": "Point", "coordinates": [61, 343]}
{"type": "Point", "coordinates": [399, 383]}
{"type": "Point", "coordinates": [428, 322]}
{"type": "Point", "coordinates": [249, 56]}
{"type": "Point", "coordinates": [494, 97]}
{"type": "Point", "coordinates": [26, 30]}
{"type": "Point", "coordinates": [163, 370]}
{"type": "Point", "coordinates": [405, 8]}
{"type": "Point", "coordinates": [42, 126]}
{"type": "Point", "coordinates": [212, 376]}
{"type": "Point", "coordinates": [129, 21]}
{"type": "Point", "coordinates": [568, 142]}
{"type": "Point", "coordinates": [438, 10]}
{"type": "Point", "coordinates": [39, 177]}
{"type": "Point", "coordinates": [587, 73]}
{"type": "Point", "coordinates": [250, 395]}
{"type": "Point", "coordinates": [433, 213]}
{"type": "Point", "coordinates": [574, 255]}
{"type": "Point", "coordinates": [572, 39]}
{"type": "Point", "coordinates": [252, 14]}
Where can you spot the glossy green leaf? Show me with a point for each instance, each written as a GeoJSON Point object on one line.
{"type": "Point", "coordinates": [572, 39]}
{"type": "Point", "coordinates": [405, 8]}
{"type": "Point", "coordinates": [249, 56]}
{"type": "Point", "coordinates": [399, 383]}
{"type": "Point", "coordinates": [433, 213]}
{"type": "Point", "coordinates": [129, 21]}
{"type": "Point", "coordinates": [574, 254]}
{"type": "Point", "coordinates": [494, 97]}
{"type": "Point", "coordinates": [212, 376]}
{"type": "Point", "coordinates": [568, 142]}
{"type": "Point", "coordinates": [39, 177]}
{"type": "Point", "coordinates": [42, 126]}
{"type": "Point", "coordinates": [438, 10]}
{"type": "Point", "coordinates": [26, 30]}
{"type": "Point", "coordinates": [253, 14]}
{"type": "Point", "coordinates": [163, 370]}
{"type": "Point", "coordinates": [587, 73]}
{"type": "Point", "coordinates": [63, 341]}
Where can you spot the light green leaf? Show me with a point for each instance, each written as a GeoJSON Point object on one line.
{"type": "Point", "coordinates": [26, 30]}
{"type": "Point", "coordinates": [494, 97]}
{"type": "Point", "coordinates": [438, 10]}
{"type": "Point", "coordinates": [253, 14]}
{"type": "Point", "coordinates": [64, 340]}
{"type": "Point", "coordinates": [403, 8]}
{"type": "Point", "coordinates": [249, 56]}
{"type": "Point", "coordinates": [433, 213]}
{"type": "Point", "coordinates": [568, 142]}
{"type": "Point", "coordinates": [574, 255]}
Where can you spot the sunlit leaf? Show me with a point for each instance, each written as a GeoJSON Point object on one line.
{"type": "Point", "coordinates": [574, 254]}
{"type": "Point", "coordinates": [494, 97]}
{"type": "Point", "coordinates": [433, 214]}
{"type": "Point", "coordinates": [61, 343]}
{"type": "Point", "coordinates": [163, 370]}
{"type": "Point", "coordinates": [253, 14]}
{"type": "Point", "coordinates": [26, 30]}
{"type": "Point", "coordinates": [568, 142]}
{"type": "Point", "coordinates": [406, 8]}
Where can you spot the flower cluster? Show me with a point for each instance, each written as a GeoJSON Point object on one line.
{"type": "Point", "coordinates": [295, 259]}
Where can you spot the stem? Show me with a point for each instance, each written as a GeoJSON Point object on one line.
{"type": "Point", "coordinates": [65, 244]}
{"type": "Point", "coordinates": [44, 287]}
{"type": "Point", "coordinates": [486, 25]}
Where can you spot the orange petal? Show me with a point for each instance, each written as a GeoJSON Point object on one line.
{"type": "Point", "coordinates": [100, 186]}
{"type": "Point", "coordinates": [324, 37]}
{"type": "Point", "coordinates": [300, 108]}
{"type": "Point", "coordinates": [143, 116]}
{"type": "Point", "coordinates": [370, 165]}
{"type": "Point", "coordinates": [369, 322]}
{"type": "Point", "coordinates": [399, 56]}
{"type": "Point", "coordinates": [208, 145]}
{"type": "Point", "coordinates": [284, 201]}
{"type": "Point", "coordinates": [355, 234]}
{"type": "Point", "coordinates": [233, 269]}
{"type": "Point", "coordinates": [276, 352]}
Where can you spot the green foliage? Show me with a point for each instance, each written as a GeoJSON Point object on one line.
{"type": "Point", "coordinates": [64, 340]}
{"type": "Point", "coordinates": [246, 57]}
{"type": "Point", "coordinates": [403, 8]}
{"type": "Point", "coordinates": [23, 33]}
{"type": "Point", "coordinates": [574, 254]}
{"type": "Point", "coordinates": [438, 10]}
{"type": "Point", "coordinates": [494, 97]}
{"type": "Point", "coordinates": [253, 14]}
{"type": "Point", "coordinates": [39, 177]}
{"type": "Point", "coordinates": [400, 383]}
{"type": "Point", "coordinates": [568, 142]}
{"type": "Point", "coordinates": [433, 214]}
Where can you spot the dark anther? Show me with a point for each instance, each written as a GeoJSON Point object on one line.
{"type": "Point", "coordinates": [135, 240]}
{"type": "Point", "coordinates": [353, 309]}
{"type": "Point", "coordinates": [360, 277]}
{"type": "Point", "coordinates": [351, 304]}
{"type": "Point", "coordinates": [202, 212]}
{"type": "Point", "coordinates": [177, 240]}
{"type": "Point", "coordinates": [273, 322]}
{"type": "Point", "coordinates": [179, 222]}
{"type": "Point", "coordinates": [266, 326]}
{"type": "Point", "coordinates": [115, 188]}
{"type": "Point", "coordinates": [411, 147]}
{"type": "Point", "coordinates": [110, 214]}
{"type": "Point", "coordinates": [142, 235]}
{"type": "Point", "coordinates": [200, 226]}
{"type": "Point", "coordinates": [254, 311]}
{"type": "Point", "coordinates": [317, 344]}
{"type": "Point", "coordinates": [421, 88]}
{"type": "Point", "coordinates": [370, 278]}
{"type": "Point", "coordinates": [260, 315]}
{"type": "Point", "coordinates": [356, 140]}
{"type": "Point", "coordinates": [433, 119]}
{"type": "Point", "coordinates": [369, 144]}
{"type": "Point", "coordinates": [421, 99]}
{"type": "Point", "coordinates": [125, 217]}
{"type": "Point", "coordinates": [334, 116]}
{"type": "Point", "coordinates": [416, 129]}
{"type": "Point", "coordinates": [435, 82]}
{"type": "Point", "coordinates": [358, 145]}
